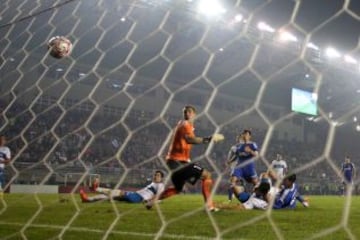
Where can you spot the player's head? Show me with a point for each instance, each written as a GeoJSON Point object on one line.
{"type": "Point", "coordinates": [347, 159]}
{"type": "Point", "coordinates": [263, 187]}
{"type": "Point", "coordinates": [246, 135]}
{"type": "Point", "coordinates": [278, 156]}
{"type": "Point", "coordinates": [158, 176]}
{"type": "Point", "coordinates": [289, 180]}
{"type": "Point", "coordinates": [189, 112]}
{"type": "Point", "coordinates": [2, 139]}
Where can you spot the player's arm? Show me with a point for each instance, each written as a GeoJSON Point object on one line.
{"type": "Point", "coordinates": [285, 168]}
{"type": "Point", "coordinates": [231, 155]}
{"type": "Point", "coordinates": [267, 198]}
{"type": "Point", "coordinates": [354, 171]}
{"type": "Point", "coordinates": [197, 140]}
{"type": "Point", "coordinates": [6, 158]}
{"type": "Point", "coordinates": [252, 150]}
{"type": "Point", "coordinates": [5, 161]}
{"type": "Point", "coordinates": [272, 174]}
{"type": "Point", "coordinates": [190, 138]}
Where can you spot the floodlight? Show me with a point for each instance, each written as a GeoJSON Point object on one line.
{"type": "Point", "coordinates": [287, 37]}
{"type": "Point", "coordinates": [210, 8]}
{"type": "Point", "coordinates": [332, 52]}
{"type": "Point", "coordinates": [312, 46]}
{"type": "Point", "coordinates": [350, 59]}
{"type": "Point", "coordinates": [238, 18]}
{"type": "Point", "coordinates": [265, 27]}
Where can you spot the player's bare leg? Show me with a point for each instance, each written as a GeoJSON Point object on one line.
{"type": "Point", "coordinates": [206, 187]}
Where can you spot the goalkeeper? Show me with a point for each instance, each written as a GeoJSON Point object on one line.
{"type": "Point", "coordinates": [178, 159]}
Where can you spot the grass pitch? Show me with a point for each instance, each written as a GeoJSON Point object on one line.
{"type": "Point", "coordinates": [51, 216]}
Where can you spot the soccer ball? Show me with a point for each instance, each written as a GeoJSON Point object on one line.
{"type": "Point", "coordinates": [59, 47]}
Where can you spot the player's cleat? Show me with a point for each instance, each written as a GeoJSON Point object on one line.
{"type": "Point", "coordinates": [305, 203]}
{"type": "Point", "coordinates": [213, 209]}
{"type": "Point", "coordinates": [149, 204]}
{"type": "Point", "coordinates": [83, 196]}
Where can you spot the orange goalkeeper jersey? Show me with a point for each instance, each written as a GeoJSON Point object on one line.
{"type": "Point", "coordinates": [179, 149]}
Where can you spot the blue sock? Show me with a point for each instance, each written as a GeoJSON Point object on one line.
{"type": "Point", "coordinates": [230, 193]}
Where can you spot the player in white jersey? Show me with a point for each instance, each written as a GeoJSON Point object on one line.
{"type": "Point", "coordinates": [231, 163]}
{"type": "Point", "coordinates": [279, 167]}
{"type": "Point", "coordinates": [145, 195]}
{"type": "Point", "coordinates": [5, 157]}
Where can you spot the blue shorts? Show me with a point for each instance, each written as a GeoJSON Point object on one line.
{"type": "Point", "coordinates": [247, 172]}
{"type": "Point", "coordinates": [2, 178]}
{"type": "Point", "coordinates": [131, 197]}
{"type": "Point", "coordinates": [243, 196]}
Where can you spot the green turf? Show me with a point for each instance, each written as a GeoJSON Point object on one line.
{"type": "Point", "coordinates": [46, 216]}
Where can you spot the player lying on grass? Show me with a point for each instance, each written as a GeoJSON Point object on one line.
{"type": "Point", "coordinates": [261, 197]}
{"type": "Point", "coordinates": [145, 195]}
{"type": "Point", "coordinates": [277, 189]}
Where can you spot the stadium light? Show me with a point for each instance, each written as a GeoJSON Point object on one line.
{"type": "Point", "coordinates": [332, 53]}
{"type": "Point", "coordinates": [238, 18]}
{"type": "Point", "coordinates": [350, 59]}
{"type": "Point", "coordinates": [287, 37]}
{"type": "Point", "coordinates": [265, 27]}
{"type": "Point", "coordinates": [210, 8]}
{"type": "Point", "coordinates": [358, 128]}
{"type": "Point", "coordinates": [312, 46]}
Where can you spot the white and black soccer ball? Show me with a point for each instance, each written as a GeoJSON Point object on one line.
{"type": "Point", "coordinates": [59, 47]}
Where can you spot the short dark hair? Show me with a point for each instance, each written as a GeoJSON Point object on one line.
{"type": "Point", "coordinates": [264, 187]}
{"type": "Point", "coordinates": [246, 131]}
{"type": "Point", "coordinates": [291, 177]}
{"type": "Point", "coordinates": [161, 173]}
{"type": "Point", "coordinates": [190, 107]}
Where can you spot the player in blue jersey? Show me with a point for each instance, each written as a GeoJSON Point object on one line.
{"type": "Point", "coordinates": [289, 193]}
{"type": "Point", "coordinates": [348, 174]}
{"type": "Point", "coordinates": [244, 153]}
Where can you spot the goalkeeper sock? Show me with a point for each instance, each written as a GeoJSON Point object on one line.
{"type": "Point", "coordinates": [206, 185]}
{"type": "Point", "coordinates": [168, 193]}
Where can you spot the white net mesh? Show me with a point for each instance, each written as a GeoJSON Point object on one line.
{"type": "Point", "coordinates": [109, 108]}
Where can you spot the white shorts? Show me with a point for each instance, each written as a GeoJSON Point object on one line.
{"type": "Point", "coordinates": [255, 203]}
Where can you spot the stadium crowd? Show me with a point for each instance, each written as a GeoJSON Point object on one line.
{"type": "Point", "coordinates": [106, 147]}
